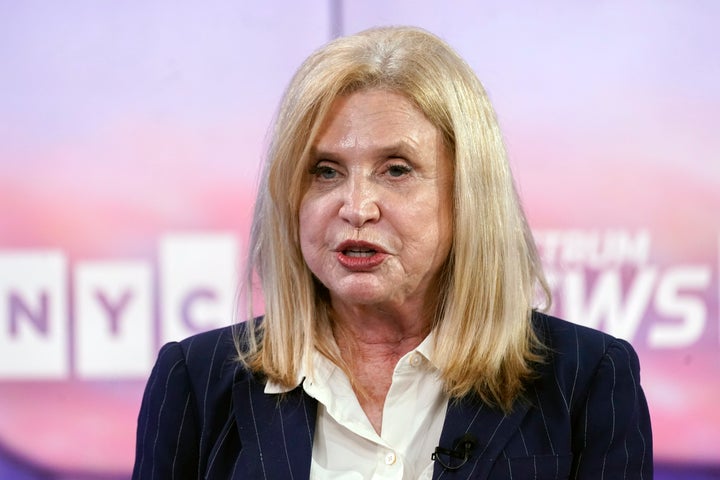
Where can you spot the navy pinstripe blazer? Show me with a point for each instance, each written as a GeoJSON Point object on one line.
{"type": "Point", "coordinates": [585, 416]}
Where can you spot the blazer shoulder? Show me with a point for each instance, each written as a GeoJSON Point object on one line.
{"type": "Point", "coordinates": [214, 354]}
{"type": "Point", "coordinates": [589, 384]}
{"type": "Point", "coordinates": [187, 409]}
{"type": "Point", "coordinates": [576, 357]}
{"type": "Point", "coordinates": [562, 337]}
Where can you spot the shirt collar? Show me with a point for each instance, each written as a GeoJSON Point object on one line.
{"type": "Point", "coordinates": [427, 347]}
{"type": "Point", "coordinates": [323, 368]}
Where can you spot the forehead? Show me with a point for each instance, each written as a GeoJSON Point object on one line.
{"type": "Point", "coordinates": [374, 118]}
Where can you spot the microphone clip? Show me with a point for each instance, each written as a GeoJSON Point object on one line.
{"type": "Point", "coordinates": [453, 459]}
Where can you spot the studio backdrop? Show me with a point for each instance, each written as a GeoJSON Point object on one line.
{"type": "Point", "coordinates": [131, 136]}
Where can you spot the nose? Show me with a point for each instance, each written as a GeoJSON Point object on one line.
{"type": "Point", "coordinates": [360, 202]}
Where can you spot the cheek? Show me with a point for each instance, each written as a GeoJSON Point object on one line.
{"type": "Point", "coordinates": [428, 229]}
{"type": "Point", "coordinates": [446, 216]}
{"type": "Point", "coordinates": [446, 223]}
{"type": "Point", "coordinates": [305, 227]}
{"type": "Point", "coordinates": [312, 228]}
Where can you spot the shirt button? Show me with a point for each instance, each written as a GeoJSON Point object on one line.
{"type": "Point", "coordinates": [415, 359]}
{"type": "Point", "coordinates": [390, 458]}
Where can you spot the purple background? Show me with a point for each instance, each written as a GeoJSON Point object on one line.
{"type": "Point", "coordinates": [123, 122]}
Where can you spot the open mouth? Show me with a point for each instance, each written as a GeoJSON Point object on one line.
{"type": "Point", "coordinates": [359, 252]}
{"type": "Point", "coordinates": [360, 256]}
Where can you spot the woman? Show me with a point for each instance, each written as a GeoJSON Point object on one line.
{"type": "Point", "coordinates": [399, 277]}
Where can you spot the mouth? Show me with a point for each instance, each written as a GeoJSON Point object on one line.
{"type": "Point", "coordinates": [356, 248]}
{"type": "Point", "coordinates": [359, 252]}
{"type": "Point", "coordinates": [360, 256]}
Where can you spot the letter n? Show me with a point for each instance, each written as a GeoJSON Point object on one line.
{"type": "Point", "coordinates": [34, 319]}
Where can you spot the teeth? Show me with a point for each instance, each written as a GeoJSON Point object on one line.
{"type": "Point", "coordinates": [359, 253]}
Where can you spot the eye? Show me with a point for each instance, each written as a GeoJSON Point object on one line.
{"type": "Point", "coordinates": [324, 172]}
{"type": "Point", "coordinates": [398, 170]}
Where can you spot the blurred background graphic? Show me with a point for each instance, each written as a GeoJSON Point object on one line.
{"type": "Point", "coordinates": [131, 135]}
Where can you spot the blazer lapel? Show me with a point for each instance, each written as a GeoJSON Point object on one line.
{"type": "Point", "coordinates": [276, 431]}
{"type": "Point", "coordinates": [489, 426]}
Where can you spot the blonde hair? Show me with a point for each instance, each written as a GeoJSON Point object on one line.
{"type": "Point", "coordinates": [484, 337]}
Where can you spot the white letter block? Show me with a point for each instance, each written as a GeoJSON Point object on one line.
{"type": "Point", "coordinates": [113, 320]}
{"type": "Point", "coordinates": [198, 282]}
{"type": "Point", "coordinates": [33, 315]}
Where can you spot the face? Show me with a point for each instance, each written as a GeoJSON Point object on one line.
{"type": "Point", "coordinates": [376, 219]}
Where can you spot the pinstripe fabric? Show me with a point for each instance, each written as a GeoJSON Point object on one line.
{"type": "Point", "coordinates": [584, 416]}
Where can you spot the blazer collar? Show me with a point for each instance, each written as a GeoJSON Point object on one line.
{"type": "Point", "coordinates": [276, 431]}
{"type": "Point", "coordinates": [489, 426]}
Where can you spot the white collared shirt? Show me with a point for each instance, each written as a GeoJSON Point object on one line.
{"type": "Point", "coordinates": [346, 445]}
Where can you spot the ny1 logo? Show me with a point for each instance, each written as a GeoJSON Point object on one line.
{"type": "Point", "coordinates": [106, 319]}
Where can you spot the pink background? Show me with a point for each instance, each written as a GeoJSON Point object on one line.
{"type": "Point", "coordinates": [122, 122]}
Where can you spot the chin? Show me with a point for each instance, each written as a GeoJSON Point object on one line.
{"type": "Point", "coordinates": [359, 294]}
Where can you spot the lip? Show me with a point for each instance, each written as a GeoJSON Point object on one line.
{"type": "Point", "coordinates": [359, 256]}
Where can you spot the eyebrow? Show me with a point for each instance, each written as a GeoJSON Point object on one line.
{"type": "Point", "coordinates": [399, 149]}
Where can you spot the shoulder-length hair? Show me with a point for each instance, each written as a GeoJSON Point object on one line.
{"type": "Point", "coordinates": [484, 340]}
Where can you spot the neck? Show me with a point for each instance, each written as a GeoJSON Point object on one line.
{"type": "Point", "coordinates": [373, 333]}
